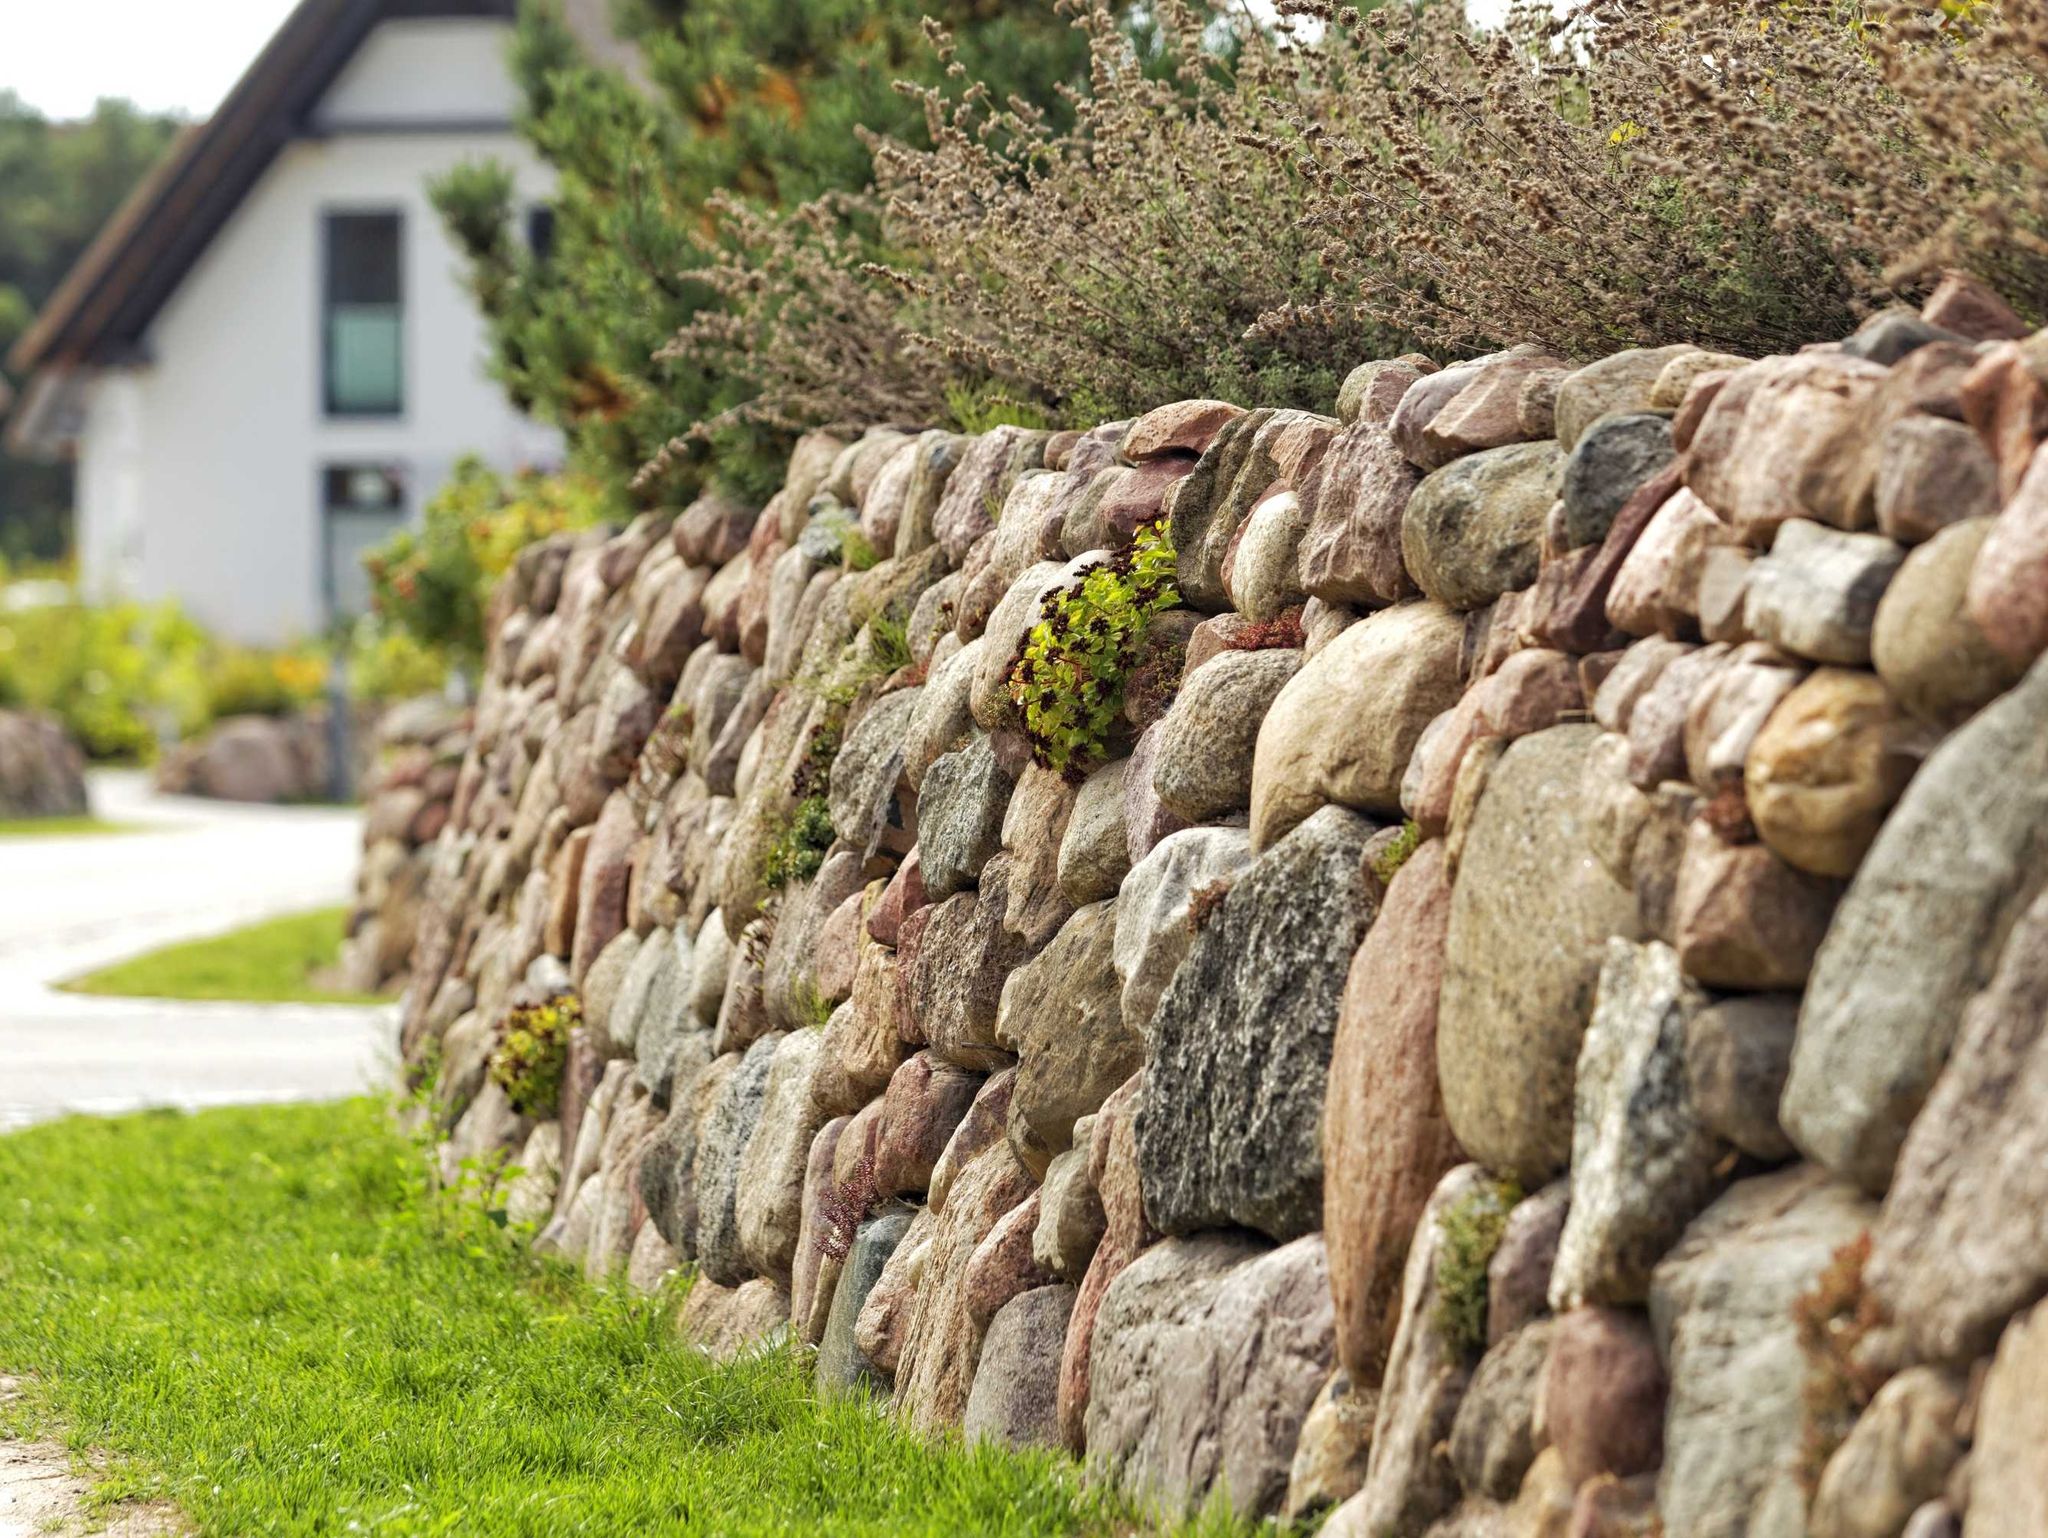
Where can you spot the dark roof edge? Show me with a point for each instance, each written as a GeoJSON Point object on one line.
{"type": "Point", "coordinates": [160, 230]}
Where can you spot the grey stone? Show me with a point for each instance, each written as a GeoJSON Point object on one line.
{"type": "Point", "coordinates": [769, 1191]}
{"type": "Point", "coordinates": [1721, 1305]}
{"type": "Point", "coordinates": [1895, 1460]}
{"type": "Point", "coordinates": [1331, 1454]}
{"type": "Point", "coordinates": [1062, 1014]}
{"type": "Point", "coordinates": [941, 721]}
{"type": "Point", "coordinates": [1207, 1355]}
{"type": "Point", "coordinates": [1816, 594]}
{"type": "Point", "coordinates": [1737, 1053]}
{"type": "Point", "coordinates": [1071, 1221]}
{"type": "Point", "coordinates": [1517, 993]}
{"type": "Point", "coordinates": [841, 1366]}
{"type": "Point", "coordinates": [862, 793]}
{"type": "Point", "coordinates": [960, 817]}
{"type": "Point", "coordinates": [1962, 1245]}
{"type": "Point", "coordinates": [1927, 649]}
{"type": "Point", "coordinates": [1493, 1437]}
{"type": "Point", "coordinates": [1095, 853]}
{"type": "Point", "coordinates": [1607, 467]}
{"type": "Point", "coordinates": [1473, 529]}
{"type": "Point", "coordinates": [1642, 1164]}
{"type": "Point", "coordinates": [1204, 766]}
{"type": "Point", "coordinates": [1015, 1398]}
{"type": "Point", "coordinates": [721, 1145]}
{"type": "Point", "coordinates": [956, 976]}
{"type": "Point", "coordinates": [1917, 934]}
{"type": "Point", "coordinates": [1152, 929]}
{"type": "Point", "coordinates": [1229, 1124]}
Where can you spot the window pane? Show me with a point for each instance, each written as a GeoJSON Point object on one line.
{"type": "Point", "coordinates": [362, 258]}
{"type": "Point", "coordinates": [365, 505]}
{"type": "Point", "coordinates": [365, 358]}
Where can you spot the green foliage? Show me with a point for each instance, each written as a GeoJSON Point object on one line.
{"type": "Point", "coordinates": [763, 104]}
{"type": "Point", "coordinates": [856, 551]}
{"type": "Point", "coordinates": [797, 851]}
{"type": "Point", "coordinates": [1471, 1230]}
{"type": "Point", "coordinates": [888, 644]}
{"type": "Point", "coordinates": [983, 408]}
{"type": "Point", "coordinates": [434, 583]}
{"type": "Point", "coordinates": [382, 1359]}
{"type": "Point", "coordinates": [243, 681]}
{"type": "Point", "coordinates": [1068, 675]}
{"type": "Point", "coordinates": [532, 1050]}
{"type": "Point", "coordinates": [1395, 855]}
{"type": "Point", "coordinates": [58, 184]}
{"type": "Point", "coordinates": [277, 961]}
{"type": "Point", "coordinates": [388, 662]}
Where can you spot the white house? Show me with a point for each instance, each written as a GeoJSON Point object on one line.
{"type": "Point", "coordinates": [267, 360]}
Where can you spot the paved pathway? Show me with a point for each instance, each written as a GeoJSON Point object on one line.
{"type": "Point", "coordinates": [71, 904]}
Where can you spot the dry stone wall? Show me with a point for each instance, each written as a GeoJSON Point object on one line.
{"type": "Point", "coordinates": [1533, 1025]}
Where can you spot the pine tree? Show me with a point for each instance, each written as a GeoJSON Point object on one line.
{"type": "Point", "coordinates": [760, 99]}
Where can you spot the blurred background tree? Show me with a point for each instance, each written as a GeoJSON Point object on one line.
{"type": "Point", "coordinates": [761, 102]}
{"type": "Point", "coordinates": [58, 183]}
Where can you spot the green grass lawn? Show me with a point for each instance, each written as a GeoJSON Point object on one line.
{"type": "Point", "coordinates": [39, 827]}
{"type": "Point", "coordinates": [272, 962]}
{"type": "Point", "coordinates": [256, 1314]}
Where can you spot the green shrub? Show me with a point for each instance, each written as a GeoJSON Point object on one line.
{"type": "Point", "coordinates": [798, 849]}
{"type": "Point", "coordinates": [243, 681]}
{"type": "Point", "coordinates": [532, 1050]}
{"type": "Point", "coordinates": [1069, 673]}
{"type": "Point", "coordinates": [435, 582]}
{"type": "Point", "coordinates": [386, 662]}
{"type": "Point", "coordinates": [1470, 1231]}
{"type": "Point", "coordinates": [1395, 855]}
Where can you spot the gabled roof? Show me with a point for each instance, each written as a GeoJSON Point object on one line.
{"type": "Point", "coordinates": [114, 290]}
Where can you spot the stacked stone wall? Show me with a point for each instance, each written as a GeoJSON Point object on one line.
{"type": "Point", "coordinates": [1533, 1022]}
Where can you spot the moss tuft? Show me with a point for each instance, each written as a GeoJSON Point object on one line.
{"type": "Point", "coordinates": [1471, 1230]}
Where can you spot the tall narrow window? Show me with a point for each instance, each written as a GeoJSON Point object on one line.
{"type": "Point", "coordinates": [364, 320]}
{"type": "Point", "coordinates": [361, 506]}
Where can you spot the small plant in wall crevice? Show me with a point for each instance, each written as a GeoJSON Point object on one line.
{"type": "Point", "coordinates": [532, 1050]}
{"type": "Point", "coordinates": [1068, 676]}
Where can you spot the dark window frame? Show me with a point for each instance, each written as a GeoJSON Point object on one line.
{"type": "Point", "coordinates": [330, 407]}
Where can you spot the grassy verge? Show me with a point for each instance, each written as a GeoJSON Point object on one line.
{"type": "Point", "coordinates": [255, 1314]}
{"type": "Point", "coordinates": [41, 827]}
{"type": "Point", "coordinates": [273, 962]}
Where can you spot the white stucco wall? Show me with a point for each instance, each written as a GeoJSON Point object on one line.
{"type": "Point", "coordinates": [199, 470]}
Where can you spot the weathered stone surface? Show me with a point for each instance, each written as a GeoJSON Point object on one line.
{"type": "Point", "coordinates": [1146, 819]}
{"type": "Point", "coordinates": [1185, 427]}
{"type": "Point", "coordinates": [1623, 382]}
{"type": "Point", "coordinates": [1657, 589]}
{"type": "Point", "coordinates": [1816, 594]}
{"type": "Point", "coordinates": [1015, 1398]}
{"type": "Point", "coordinates": [823, 1237]}
{"type": "Point", "coordinates": [721, 1146]}
{"type": "Point", "coordinates": [1208, 1354]}
{"type": "Point", "coordinates": [1827, 766]}
{"type": "Point", "coordinates": [768, 1196]}
{"type": "Point", "coordinates": [1332, 1451]}
{"type": "Point", "coordinates": [1386, 1143]}
{"type": "Point", "coordinates": [1603, 1395]}
{"type": "Point", "coordinates": [1204, 767]}
{"type": "Point", "coordinates": [1642, 1164]}
{"type": "Point", "coordinates": [1896, 1459]}
{"type": "Point", "coordinates": [1472, 529]}
{"type": "Point", "coordinates": [1371, 391]}
{"type": "Point", "coordinates": [1095, 853]}
{"type": "Point", "coordinates": [987, 468]}
{"type": "Point", "coordinates": [1033, 827]}
{"type": "Point", "coordinates": [1070, 1216]}
{"type": "Point", "coordinates": [722, 1322]}
{"type": "Point", "coordinates": [42, 771]}
{"type": "Point", "coordinates": [1263, 569]}
{"type": "Point", "coordinates": [1769, 425]}
{"type": "Point", "coordinates": [924, 1104]}
{"type": "Point", "coordinates": [1744, 919]}
{"type": "Point", "coordinates": [1152, 929]}
{"type": "Point", "coordinates": [1609, 462]}
{"type": "Point", "coordinates": [955, 980]}
{"type": "Point", "coordinates": [1729, 709]}
{"type": "Point", "coordinates": [1926, 648]}
{"type": "Point", "coordinates": [1721, 1306]}
{"type": "Point", "coordinates": [1516, 996]}
{"type": "Point", "coordinates": [1409, 1481]}
{"type": "Point", "coordinates": [1961, 1245]}
{"type": "Point", "coordinates": [884, 1319]}
{"type": "Point", "coordinates": [1345, 726]}
{"type": "Point", "coordinates": [1354, 499]}
{"type": "Point", "coordinates": [865, 772]}
{"type": "Point", "coordinates": [942, 722]}
{"type": "Point", "coordinates": [2008, 1490]}
{"type": "Point", "coordinates": [1518, 1276]}
{"type": "Point", "coordinates": [841, 1365]}
{"type": "Point", "coordinates": [1931, 473]}
{"type": "Point", "coordinates": [1916, 934]}
{"type": "Point", "coordinates": [960, 817]}
{"type": "Point", "coordinates": [1113, 1172]}
{"type": "Point", "coordinates": [942, 1339]}
{"type": "Point", "coordinates": [1737, 1054]}
{"type": "Point", "coordinates": [1229, 1127]}
{"type": "Point", "coordinates": [1493, 1438]}
{"type": "Point", "coordinates": [1062, 1014]}
{"type": "Point", "coordinates": [1487, 413]}
{"type": "Point", "coordinates": [2008, 594]}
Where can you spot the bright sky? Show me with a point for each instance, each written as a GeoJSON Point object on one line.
{"type": "Point", "coordinates": [165, 55]}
